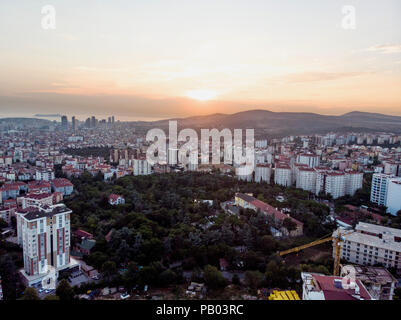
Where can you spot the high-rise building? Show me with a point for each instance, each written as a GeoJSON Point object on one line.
{"type": "Point", "coordinates": [74, 123]}
{"type": "Point", "coordinates": [93, 122]}
{"type": "Point", "coordinates": [64, 122]}
{"type": "Point", "coordinates": [282, 175]}
{"type": "Point", "coordinates": [312, 160]}
{"type": "Point", "coordinates": [306, 179]}
{"type": "Point", "coordinates": [393, 202]}
{"type": "Point", "coordinates": [262, 172]}
{"type": "Point", "coordinates": [141, 167]}
{"type": "Point", "coordinates": [45, 235]}
{"type": "Point", "coordinates": [378, 193]}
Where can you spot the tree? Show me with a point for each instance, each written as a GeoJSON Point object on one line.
{"type": "Point", "coordinates": [213, 277]}
{"type": "Point", "coordinates": [167, 277]}
{"type": "Point", "coordinates": [109, 269]}
{"type": "Point", "coordinates": [30, 294]}
{"type": "Point", "coordinates": [253, 279]}
{"type": "Point", "coordinates": [235, 280]}
{"type": "Point", "coordinates": [64, 290]}
{"type": "Point", "coordinates": [130, 276]}
{"type": "Point", "coordinates": [289, 224]}
{"type": "Point", "coordinates": [51, 297]}
{"type": "Point", "coordinates": [3, 224]}
{"type": "Point", "coordinates": [9, 277]}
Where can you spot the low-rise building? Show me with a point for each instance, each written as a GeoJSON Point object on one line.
{"type": "Point", "coordinates": [371, 244]}
{"type": "Point", "coordinates": [379, 282]}
{"type": "Point", "coordinates": [116, 199]}
{"type": "Point", "coordinates": [321, 287]}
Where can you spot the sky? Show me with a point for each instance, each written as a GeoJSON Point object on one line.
{"type": "Point", "coordinates": [157, 59]}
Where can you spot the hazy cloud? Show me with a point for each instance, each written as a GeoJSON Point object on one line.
{"type": "Point", "coordinates": [320, 76]}
{"type": "Point", "coordinates": [385, 48]}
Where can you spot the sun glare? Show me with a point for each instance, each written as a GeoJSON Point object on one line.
{"type": "Point", "coordinates": [201, 95]}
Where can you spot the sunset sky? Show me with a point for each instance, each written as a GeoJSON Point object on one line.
{"type": "Point", "coordinates": [156, 59]}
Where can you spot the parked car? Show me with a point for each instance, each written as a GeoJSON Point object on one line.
{"type": "Point", "coordinates": [124, 296]}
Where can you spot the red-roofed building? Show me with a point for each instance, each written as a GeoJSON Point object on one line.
{"type": "Point", "coordinates": [39, 187]}
{"type": "Point", "coordinates": [116, 199]}
{"type": "Point", "coordinates": [83, 234]}
{"type": "Point", "coordinates": [321, 287]}
{"type": "Point", "coordinates": [57, 197]}
{"type": "Point", "coordinates": [36, 200]}
{"type": "Point", "coordinates": [249, 202]}
{"type": "Point", "coordinates": [62, 185]}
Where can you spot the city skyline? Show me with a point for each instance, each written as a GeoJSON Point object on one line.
{"type": "Point", "coordinates": [167, 59]}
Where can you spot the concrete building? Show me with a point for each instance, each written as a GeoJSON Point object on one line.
{"type": "Point", "coordinates": [262, 172]}
{"type": "Point", "coordinates": [393, 201]}
{"type": "Point", "coordinates": [141, 167]}
{"type": "Point", "coordinates": [378, 281]}
{"type": "Point", "coordinates": [312, 160]}
{"type": "Point", "coordinates": [321, 287]}
{"type": "Point", "coordinates": [353, 182]}
{"type": "Point", "coordinates": [371, 244]}
{"type": "Point", "coordinates": [116, 199]}
{"type": "Point", "coordinates": [282, 175]}
{"type": "Point", "coordinates": [378, 193]}
{"type": "Point", "coordinates": [44, 175]}
{"type": "Point", "coordinates": [306, 179]}
{"type": "Point", "coordinates": [386, 191]}
{"type": "Point", "coordinates": [45, 236]}
{"type": "Point", "coordinates": [63, 186]}
{"type": "Point", "coordinates": [247, 201]}
{"type": "Point", "coordinates": [335, 184]}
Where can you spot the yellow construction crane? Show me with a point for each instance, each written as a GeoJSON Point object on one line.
{"type": "Point", "coordinates": [337, 251]}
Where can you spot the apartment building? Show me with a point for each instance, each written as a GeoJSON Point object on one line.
{"type": "Point", "coordinates": [44, 175]}
{"type": "Point", "coordinates": [262, 172]}
{"type": "Point", "coordinates": [386, 191]}
{"type": "Point", "coordinates": [141, 167]}
{"type": "Point", "coordinates": [310, 159]}
{"type": "Point", "coordinates": [393, 202]}
{"type": "Point", "coordinates": [378, 192]}
{"type": "Point", "coordinates": [45, 237]}
{"type": "Point", "coordinates": [353, 182]}
{"type": "Point", "coordinates": [306, 179]}
{"type": "Point", "coordinates": [371, 244]}
{"type": "Point", "coordinates": [338, 183]}
{"type": "Point", "coordinates": [282, 175]}
{"type": "Point", "coordinates": [335, 184]}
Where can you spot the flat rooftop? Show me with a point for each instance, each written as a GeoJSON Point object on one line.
{"type": "Point", "coordinates": [368, 227]}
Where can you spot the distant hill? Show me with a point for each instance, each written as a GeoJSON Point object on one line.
{"type": "Point", "coordinates": [24, 122]}
{"type": "Point", "coordinates": [277, 123]}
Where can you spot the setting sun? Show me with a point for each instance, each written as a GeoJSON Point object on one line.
{"type": "Point", "coordinates": [201, 95]}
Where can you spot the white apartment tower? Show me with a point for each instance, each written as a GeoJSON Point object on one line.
{"type": "Point", "coordinates": [262, 172]}
{"type": "Point", "coordinates": [141, 167]}
{"type": "Point", "coordinates": [45, 235]}
{"type": "Point", "coordinates": [335, 184]}
{"type": "Point", "coordinates": [394, 196]}
{"type": "Point", "coordinates": [353, 182]}
{"type": "Point", "coordinates": [312, 160]}
{"type": "Point", "coordinates": [378, 193]}
{"type": "Point", "coordinates": [306, 179]}
{"type": "Point", "coordinates": [282, 175]}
